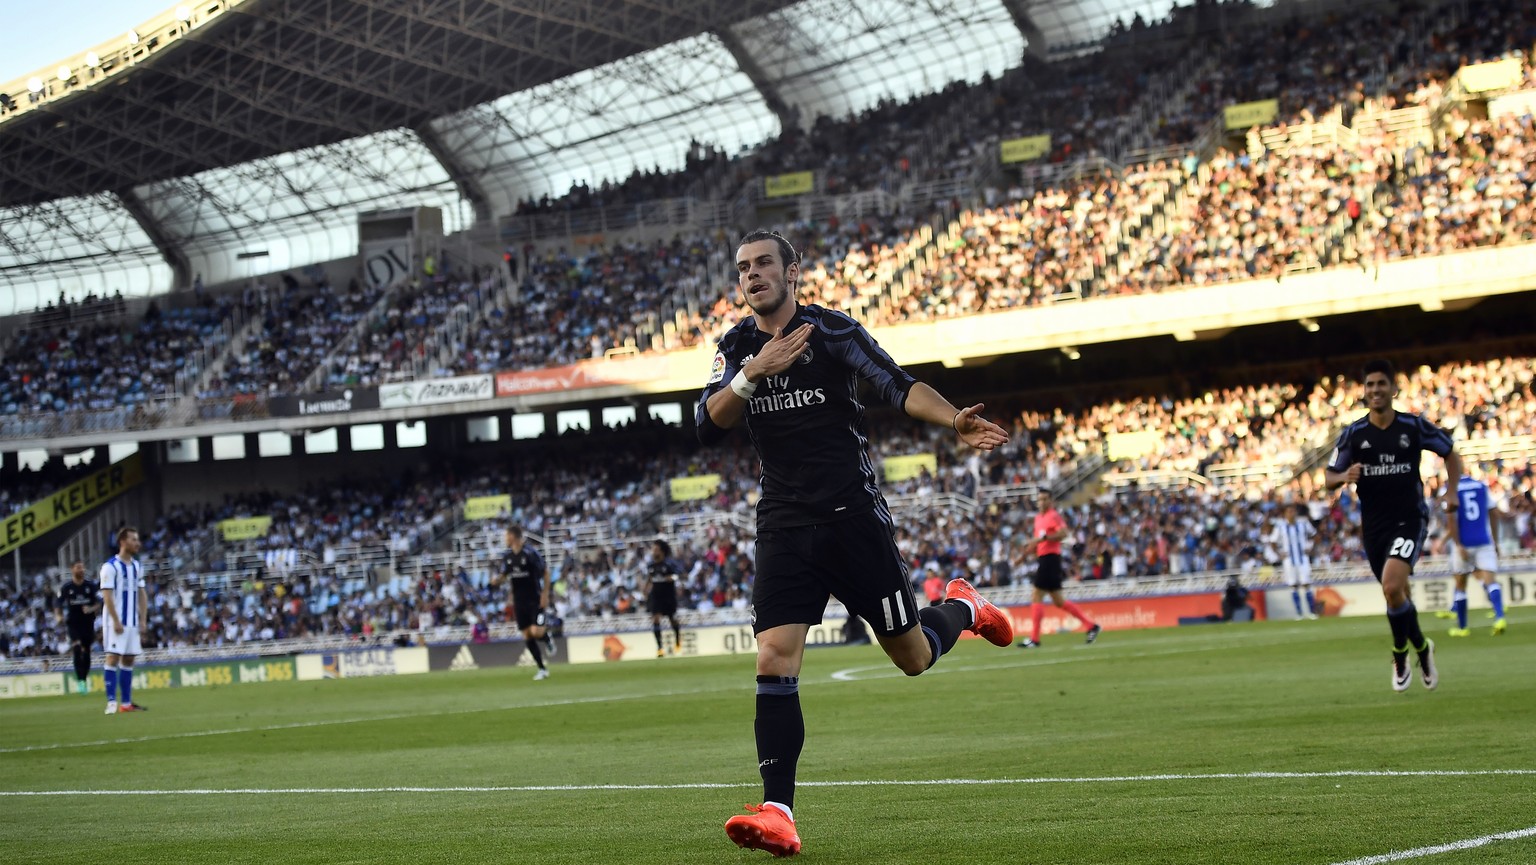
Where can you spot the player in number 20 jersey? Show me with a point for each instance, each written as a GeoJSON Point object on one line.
{"type": "Point", "coordinates": [1379, 454]}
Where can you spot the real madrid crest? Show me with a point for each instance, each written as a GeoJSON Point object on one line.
{"type": "Point", "coordinates": [1402, 441]}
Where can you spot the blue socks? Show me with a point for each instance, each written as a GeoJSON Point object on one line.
{"type": "Point", "coordinates": [125, 685]}
{"type": "Point", "coordinates": [1459, 607]}
{"type": "Point", "coordinates": [1496, 598]}
{"type": "Point", "coordinates": [109, 678]}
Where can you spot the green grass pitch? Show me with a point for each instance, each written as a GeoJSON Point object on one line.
{"type": "Point", "coordinates": [1268, 738]}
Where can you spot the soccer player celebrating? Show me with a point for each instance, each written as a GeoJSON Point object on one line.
{"type": "Point", "coordinates": [127, 605]}
{"type": "Point", "coordinates": [661, 574]}
{"type": "Point", "coordinates": [523, 568]}
{"type": "Point", "coordinates": [1474, 553]}
{"type": "Point", "coordinates": [80, 599]}
{"type": "Point", "coordinates": [791, 373]}
{"type": "Point", "coordinates": [1379, 454]}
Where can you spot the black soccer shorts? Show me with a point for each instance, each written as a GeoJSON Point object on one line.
{"type": "Point", "coordinates": [525, 601]}
{"type": "Point", "coordinates": [1401, 540]}
{"type": "Point", "coordinates": [662, 600]}
{"type": "Point", "coordinates": [854, 560]}
{"type": "Point", "coordinates": [1048, 577]}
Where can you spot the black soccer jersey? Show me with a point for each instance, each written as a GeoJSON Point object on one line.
{"type": "Point", "coordinates": [664, 571]}
{"type": "Point", "coordinates": [523, 569]}
{"type": "Point", "coordinates": [1389, 487]}
{"type": "Point", "coordinates": [807, 423]}
{"type": "Point", "coordinates": [75, 599]}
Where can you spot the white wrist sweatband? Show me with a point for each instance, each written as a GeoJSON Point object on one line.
{"type": "Point", "coordinates": [742, 386]}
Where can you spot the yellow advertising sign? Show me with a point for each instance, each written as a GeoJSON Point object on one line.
{"type": "Point", "coordinates": [75, 500]}
{"type": "Point", "coordinates": [245, 528]}
{"type": "Point", "coordinates": [1025, 149]}
{"type": "Point", "coordinates": [691, 489]}
{"type": "Point", "coordinates": [1494, 75]}
{"type": "Point", "coordinates": [901, 468]}
{"type": "Point", "coordinates": [781, 185]}
{"type": "Point", "coordinates": [1127, 446]}
{"type": "Point", "coordinates": [487, 507]}
{"type": "Point", "coordinates": [1248, 114]}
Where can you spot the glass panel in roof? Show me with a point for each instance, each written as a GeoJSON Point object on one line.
{"type": "Point", "coordinates": [299, 208]}
{"type": "Point", "coordinates": [1071, 24]}
{"type": "Point", "coordinates": [75, 247]}
{"type": "Point", "coordinates": [639, 113]}
{"type": "Point", "coordinates": [840, 57]}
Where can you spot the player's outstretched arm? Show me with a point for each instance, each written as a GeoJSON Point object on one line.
{"type": "Point", "coordinates": [926, 404]}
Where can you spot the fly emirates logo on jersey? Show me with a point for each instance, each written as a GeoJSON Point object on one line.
{"type": "Point", "coordinates": [782, 394]}
{"type": "Point", "coordinates": [1387, 464]}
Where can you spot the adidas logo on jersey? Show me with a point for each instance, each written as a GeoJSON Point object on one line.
{"type": "Point", "coordinates": [464, 660]}
{"type": "Point", "coordinates": [1365, 445]}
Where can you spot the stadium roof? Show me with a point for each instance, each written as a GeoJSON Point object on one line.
{"type": "Point", "coordinates": [235, 128]}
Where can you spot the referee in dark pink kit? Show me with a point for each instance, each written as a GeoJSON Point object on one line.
{"type": "Point", "coordinates": [791, 373]}
{"type": "Point", "coordinates": [1050, 531]}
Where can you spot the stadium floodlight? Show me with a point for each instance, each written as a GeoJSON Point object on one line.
{"type": "Point", "coordinates": [1310, 324]}
{"type": "Point", "coordinates": [35, 84]}
{"type": "Point", "coordinates": [63, 73]}
{"type": "Point", "coordinates": [133, 37]}
{"type": "Point", "coordinates": [1071, 352]}
{"type": "Point", "coordinates": [93, 60]}
{"type": "Point", "coordinates": [184, 14]}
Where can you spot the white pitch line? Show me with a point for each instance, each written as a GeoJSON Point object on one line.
{"type": "Point", "coordinates": [1452, 847]}
{"type": "Point", "coordinates": [368, 719]}
{"type": "Point", "coordinates": [931, 782]}
{"type": "Point", "coordinates": [882, 671]}
{"type": "Point", "coordinates": [1099, 652]}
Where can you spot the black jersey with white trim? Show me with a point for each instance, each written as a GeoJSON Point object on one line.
{"type": "Point", "coordinates": [807, 423]}
{"type": "Point", "coordinates": [1390, 489]}
{"type": "Point", "coordinates": [664, 571]}
{"type": "Point", "coordinates": [523, 568]}
{"type": "Point", "coordinates": [76, 598]}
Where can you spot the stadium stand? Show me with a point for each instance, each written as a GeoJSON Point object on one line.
{"type": "Point", "coordinates": [357, 559]}
{"type": "Point", "coordinates": [109, 371]}
{"type": "Point", "coordinates": [1330, 184]}
{"type": "Point", "coordinates": [300, 328]}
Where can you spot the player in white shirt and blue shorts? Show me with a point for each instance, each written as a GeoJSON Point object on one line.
{"type": "Point", "coordinates": [124, 607]}
{"type": "Point", "coordinates": [1474, 553]}
{"type": "Point", "coordinates": [1293, 537]}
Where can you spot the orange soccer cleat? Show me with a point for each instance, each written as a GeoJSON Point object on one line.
{"type": "Point", "coordinates": [991, 622]}
{"type": "Point", "coordinates": [766, 828]}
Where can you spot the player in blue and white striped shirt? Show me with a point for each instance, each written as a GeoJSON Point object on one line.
{"type": "Point", "coordinates": [125, 605]}
{"type": "Point", "coordinates": [1473, 552]}
{"type": "Point", "coordinates": [1293, 538]}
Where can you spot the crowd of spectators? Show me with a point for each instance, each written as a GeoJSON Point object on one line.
{"type": "Point", "coordinates": [1476, 189]}
{"type": "Point", "coordinates": [301, 325]}
{"type": "Point", "coordinates": [101, 363]}
{"type": "Point", "coordinates": [641, 185]}
{"type": "Point", "coordinates": [1152, 227]}
{"type": "Point", "coordinates": [1235, 216]}
{"type": "Point", "coordinates": [574, 306]}
{"type": "Point", "coordinates": [418, 326]}
{"type": "Point", "coordinates": [309, 575]}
